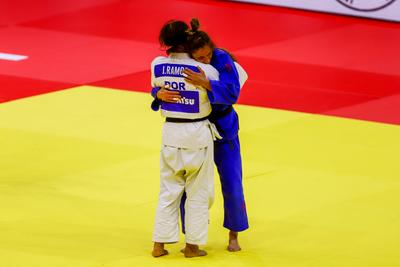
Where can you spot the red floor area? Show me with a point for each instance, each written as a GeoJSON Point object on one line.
{"type": "Point", "coordinates": [138, 81]}
{"type": "Point", "coordinates": [73, 58]}
{"type": "Point", "coordinates": [19, 11]}
{"type": "Point", "coordinates": [12, 88]}
{"type": "Point", "coordinates": [233, 25]}
{"type": "Point", "coordinates": [296, 60]}
{"type": "Point", "coordinates": [313, 88]}
{"type": "Point", "coordinates": [386, 109]}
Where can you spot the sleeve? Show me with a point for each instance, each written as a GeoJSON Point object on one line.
{"type": "Point", "coordinates": [156, 103]}
{"type": "Point", "coordinates": [225, 90]}
{"type": "Point", "coordinates": [154, 91]}
{"type": "Point", "coordinates": [153, 77]}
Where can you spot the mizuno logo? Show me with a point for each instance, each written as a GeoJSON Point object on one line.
{"type": "Point", "coordinates": [185, 101]}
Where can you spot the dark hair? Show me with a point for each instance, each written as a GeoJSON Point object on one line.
{"type": "Point", "coordinates": [198, 39]}
{"type": "Point", "coordinates": [174, 35]}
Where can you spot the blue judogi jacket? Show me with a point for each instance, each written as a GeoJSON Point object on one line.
{"type": "Point", "coordinates": [224, 93]}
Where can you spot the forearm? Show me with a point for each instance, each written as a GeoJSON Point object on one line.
{"type": "Point", "coordinates": [223, 93]}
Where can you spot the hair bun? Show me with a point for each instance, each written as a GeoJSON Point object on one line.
{"type": "Point", "coordinates": [194, 24]}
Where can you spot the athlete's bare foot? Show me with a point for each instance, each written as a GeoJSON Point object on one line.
{"type": "Point", "coordinates": [233, 242]}
{"type": "Point", "coordinates": [158, 250]}
{"type": "Point", "coordinates": [191, 251]}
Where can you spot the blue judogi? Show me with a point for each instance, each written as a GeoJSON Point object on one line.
{"type": "Point", "coordinates": [227, 157]}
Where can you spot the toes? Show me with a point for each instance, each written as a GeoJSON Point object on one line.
{"type": "Point", "coordinates": [202, 253]}
{"type": "Point", "coordinates": [198, 253]}
{"type": "Point", "coordinates": [233, 248]}
{"type": "Point", "coordinates": [160, 253]}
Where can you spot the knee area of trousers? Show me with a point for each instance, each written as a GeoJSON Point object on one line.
{"type": "Point", "coordinates": [198, 203]}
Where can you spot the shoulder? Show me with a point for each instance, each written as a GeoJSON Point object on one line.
{"type": "Point", "coordinates": [221, 54]}
{"type": "Point", "coordinates": [158, 60]}
{"type": "Point", "coordinates": [223, 61]}
{"type": "Point", "coordinates": [206, 66]}
{"type": "Point", "coordinates": [209, 70]}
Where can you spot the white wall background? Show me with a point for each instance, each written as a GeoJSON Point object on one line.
{"type": "Point", "coordinates": [390, 12]}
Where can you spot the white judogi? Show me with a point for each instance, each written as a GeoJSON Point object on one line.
{"type": "Point", "coordinates": [186, 161]}
{"type": "Point", "coordinates": [242, 74]}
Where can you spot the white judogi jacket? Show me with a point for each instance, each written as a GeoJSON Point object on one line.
{"type": "Point", "coordinates": [194, 103]}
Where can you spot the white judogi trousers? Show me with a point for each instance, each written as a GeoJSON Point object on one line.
{"type": "Point", "coordinates": [190, 170]}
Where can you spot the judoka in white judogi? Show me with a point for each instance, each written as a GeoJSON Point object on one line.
{"type": "Point", "coordinates": [186, 160]}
